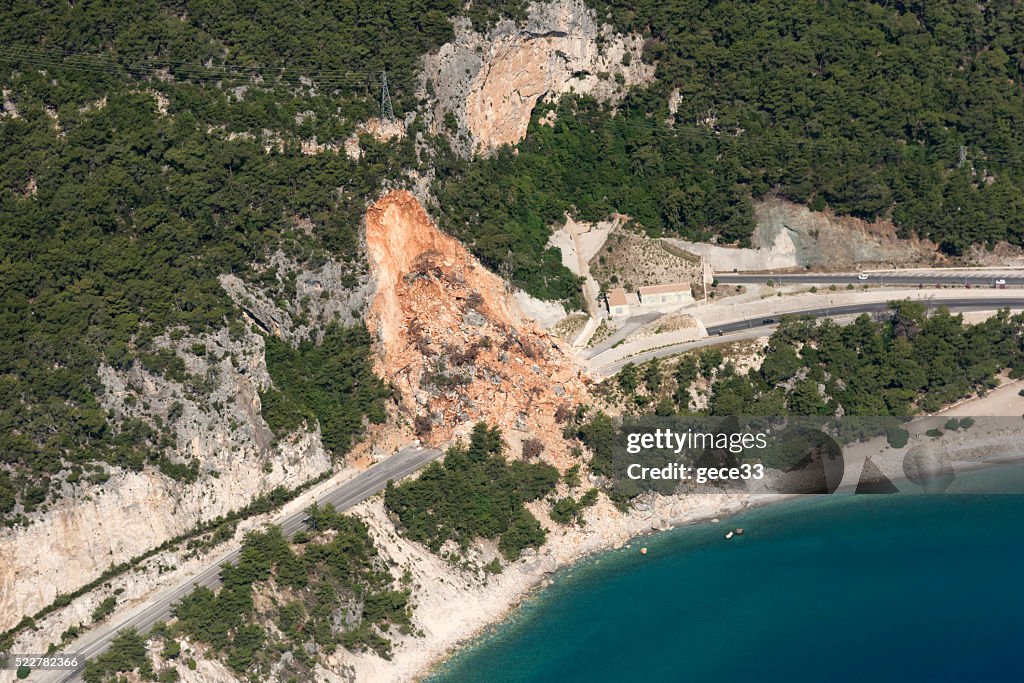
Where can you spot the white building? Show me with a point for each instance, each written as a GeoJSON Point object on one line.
{"type": "Point", "coordinates": [666, 295]}
{"type": "Point", "coordinates": [617, 303]}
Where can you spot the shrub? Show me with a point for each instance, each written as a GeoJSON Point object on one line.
{"type": "Point", "coordinates": [532, 448]}
{"type": "Point", "coordinates": [897, 437]}
{"type": "Point", "coordinates": [422, 425]}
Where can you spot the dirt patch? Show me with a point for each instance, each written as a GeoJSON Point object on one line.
{"type": "Point", "coordinates": [570, 326]}
{"type": "Point", "coordinates": [632, 260]}
{"type": "Point", "coordinates": [673, 322]}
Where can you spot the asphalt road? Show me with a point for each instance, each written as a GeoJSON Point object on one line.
{"type": "Point", "coordinates": [355, 490]}
{"type": "Point", "coordinates": [631, 325]}
{"type": "Point", "coordinates": [751, 328]}
{"type": "Point", "coordinates": [962, 278]}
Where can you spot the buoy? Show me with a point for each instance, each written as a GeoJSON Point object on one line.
{"type": "Point", "coordinates": [728, 536]}
{"type": "Point", "coordinates": [739, 530]}
{"type": "Point", "coordinates": [643, 551]}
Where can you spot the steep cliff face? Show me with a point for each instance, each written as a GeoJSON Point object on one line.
{"type": "Point", "coordinates": [453, 340]}
{"type": "Point", "coordinates": [823, 239]}
{"type": "Point", "coordinates": [212, 418]}
{"type": "Point", "coordinates": [491, 82]}
{"type": "Point", "coordinates": [301, 301]}
{"type": "Point", "coordinates": [215, 420]}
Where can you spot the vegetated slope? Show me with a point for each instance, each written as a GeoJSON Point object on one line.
{"type": "Point", "coordinates": [451, 339]}
{"type": "Point", "coordinates": [329, 589]}
{"type": "Point", "coordinates": [474, 494]}
{"type": "Point", "coordinates": [145, 151]}
{"type": "Point", "coordinates": [910, 362]}
{"type": "Point", "coordinates": [862, 107]}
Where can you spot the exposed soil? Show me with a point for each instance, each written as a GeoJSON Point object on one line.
{"type": "Point", "coordinates": [633, 260]}
{"type": "Point", "coordinates": [452, 341]}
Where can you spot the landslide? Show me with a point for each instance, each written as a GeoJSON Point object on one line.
{"type": "Point", "coordinates": [452, 340]}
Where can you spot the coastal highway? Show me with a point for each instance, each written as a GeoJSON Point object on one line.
{"type": "Point", "coordinates": [355, 490]}
{"type": "Point", "coordinates": [907, 277]}
{"type": "Point", "coordinates": [760, 326]}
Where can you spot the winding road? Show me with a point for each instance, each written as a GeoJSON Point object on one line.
{"type": "Point", "coordinates": [353, 491]}
{"type": "Point", "coordinates": [751, 328]}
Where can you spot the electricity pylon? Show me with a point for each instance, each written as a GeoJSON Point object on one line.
{"type": "Point", "coordinates": [386, 112]}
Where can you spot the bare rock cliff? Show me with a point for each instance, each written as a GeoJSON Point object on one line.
{"type": "Point", "coordinates": [214, 422]}
{"type": "Point", "coordinates": [491, 82]}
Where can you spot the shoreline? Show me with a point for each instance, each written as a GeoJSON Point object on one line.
{"type": "Point", "coordinates": [544, 581]}
{"type": "Point", "coordinates": [650, 526]}
{"type": "Point", "coordinates": [674, 525]}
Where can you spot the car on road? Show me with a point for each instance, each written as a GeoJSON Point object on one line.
{"type": "Point", "coordinates": [862, 276]}
{"type": "Point", "coordinates": [1000, 282]}
{"type": "Point", "coordinates": [768, 321]}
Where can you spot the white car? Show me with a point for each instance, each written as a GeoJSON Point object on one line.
{"type": "Point", "coordinates": [1000, 282]}
{"type": "Point", "coordinates": [862, 276]}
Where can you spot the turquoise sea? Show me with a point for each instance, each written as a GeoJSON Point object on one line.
{"type": "Point", "coordinates": [854, 588]}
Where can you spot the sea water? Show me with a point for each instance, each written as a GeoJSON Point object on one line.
{"type": "Point", "coordinates": [851, 588]}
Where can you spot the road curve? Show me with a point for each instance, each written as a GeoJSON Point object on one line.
{"type": "Point", "coordinates": [355, 490]}
{"type": "Point", "coordinates": [751, 328]}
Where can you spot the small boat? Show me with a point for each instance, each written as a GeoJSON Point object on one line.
{"type": "Point", "coordinates": [728, 535]}
{"type": "Point", "coordinates": [739, 531]}
{"type": "Point", "coordinates": [643, 551]}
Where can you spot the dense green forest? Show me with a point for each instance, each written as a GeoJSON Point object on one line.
{"type": "Point", "coordinates": [116, 219]}
{"type": "Point", "coordinates": [909, 361]}
{"type": "Point", "coordinates": [474, 494]}
{"type": "Point", "coordinates": [861, 107]}
{"type": "Point", "coordinates": [332, 383]}
{"type": "Point", "coordinates": [333, 589]}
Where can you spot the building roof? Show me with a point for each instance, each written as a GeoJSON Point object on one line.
{"type": "Point", "coordinates": [617, 297]}
{"type": "Point", "coordinates": [666, 289]}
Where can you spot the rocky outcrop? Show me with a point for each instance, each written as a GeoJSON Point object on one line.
{"type": "Point", "coordinates": [789, 235]}
{"type": "Point", "coordinates": [825, 240]}
{"type": "Point", "coordinates": [491, 82]}
{"type": "Point", "coordinates": [452, 339]}
{"type": "Point", "coordinates": [8, 107]}
{"type": "Point", "coordinates": [215, 421]}
{"type": "Point", "coordinates": [331, 293]}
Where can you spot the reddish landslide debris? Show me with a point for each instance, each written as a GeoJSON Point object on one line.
{"type": "Point", "coordinates": [453, 344]}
